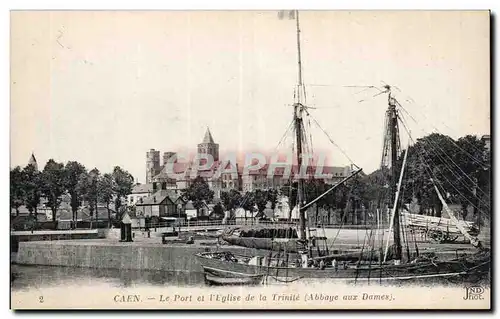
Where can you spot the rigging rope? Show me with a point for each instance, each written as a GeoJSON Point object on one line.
{"type": "Point", "coordinates": [342, 221]}
{"type": "Point", "coordinates": [435, 146]}
{"type": "Point", "coordinates": [470, 144]}
{"type": "Point", "coordinates": [474, 159]}
{"type": "Point", "coordinates": [285, 134]}
{"type": "Point", "coordinates": [335, 144]}
{"type": "Point", "coordinates": [455, 174]}
{"type": "Point", "coordinates": [436, 179]}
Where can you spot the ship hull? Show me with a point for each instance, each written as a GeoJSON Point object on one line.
{"type": "Point", "coordinates": [224, 278]}
{"type": "Point", "coordinates": [386, 272]}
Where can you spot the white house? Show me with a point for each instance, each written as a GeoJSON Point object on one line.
{"type": "Point", "coordinates": [190, 210]}
{"type": "Point", "coordinates": [282, 209]}
{"type": "Point", "coordinates": [139, 191]}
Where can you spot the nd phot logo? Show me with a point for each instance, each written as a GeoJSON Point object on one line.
{"type": "Point", "coordinates": [474, 293]}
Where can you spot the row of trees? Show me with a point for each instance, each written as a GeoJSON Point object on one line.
{"type": "Point", "coordinates": [258, 198]}
{"type": "Point", "coordinates": [200, 193]}
{"type": "Point", "coordinates": [28, 186]}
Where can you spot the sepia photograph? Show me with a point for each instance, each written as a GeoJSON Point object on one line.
{"type": "Point", "coordinates": [276, 159]}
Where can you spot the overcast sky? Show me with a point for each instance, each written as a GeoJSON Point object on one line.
{"type": "Point", "coordinates": [104, 87]}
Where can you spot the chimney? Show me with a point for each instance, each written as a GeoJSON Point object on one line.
{"type": "Point", "coordinates": [154, 187]}
{"type": "Point", "coordinates": [154, 199]}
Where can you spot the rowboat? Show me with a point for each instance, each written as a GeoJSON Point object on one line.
{"type": "Point", "coordinates": [220, 277]}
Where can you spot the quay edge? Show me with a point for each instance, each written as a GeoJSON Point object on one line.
{"type": "Point", "coordinates": [116, 255]}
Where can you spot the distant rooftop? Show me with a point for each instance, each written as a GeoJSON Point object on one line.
{"type": "Point", "coordinates": [142, 188]}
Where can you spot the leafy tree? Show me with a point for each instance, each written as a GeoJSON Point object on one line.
{"type": "Point", "coordinates": [260, 198]}
{"type": "Point", "coordinates": [53, 185]}
{"type": "Point", "coordinates": [312, 189]}
{"type": "Point", "coordinates": [32, 185]}
{"type": "Point", "coordinates": [231, 200]}
{"type": "Point", "coordinates": [123, 183]}
{"type": "Point", "coordinates": [290, 190]}
{"type": "Point", "coordinates": [105, 192]}
{"type": "Point", "coordinates": [356, 196]}
{"type": "Point", "coordinates": [377, 188]}
{"type": "Point", "coordinates": [198, 192]}
{"type": "Point", "coordinates": [16, 188]}
{"type": "Point", "coordinates": [427, 164]}
{"type": "Point", "coordinates": [272, 197]}
{"type": "Point", "coordinates": [485, 195]}
{"type": "Point", "coordinates": [218, 211]}
{"type": "Point", "coordinates": [248, 203]}
{"type": "Point", "coordinates": [469, 173]}
{"type": "Point", "coordinates": [72, 174]}
{"type": "Point", "coordinates": [453, 166]}
{"type": "Point", "coordinates": [88, 186]}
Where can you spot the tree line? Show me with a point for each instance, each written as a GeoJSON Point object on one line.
{"type": "Point", "coordinates": [199, 193]}
{"type": "Point", "coordinates": [258, 198]}
{"type": "Point", "coordinates": [28, 186]}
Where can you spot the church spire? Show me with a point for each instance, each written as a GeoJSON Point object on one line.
{"type": "Point", "coordinates": [32, 161]}
{"type": "Point", "coordinates": [208, 146]}
{"type": "Point", "coordinates": [208, 139]}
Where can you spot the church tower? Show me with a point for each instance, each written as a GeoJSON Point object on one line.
{"type": "Point", "coordinates": [33, 162]}
{"type": "Point", "coordinates": [208, 146]}
{"type": "Point", "coordinates": [152, 164]}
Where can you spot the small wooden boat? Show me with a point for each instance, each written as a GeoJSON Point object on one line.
{"type": "Point", "coordinates": [223, 277]}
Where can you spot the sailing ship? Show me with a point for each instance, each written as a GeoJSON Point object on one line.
{"type": "Point", "coordinates": [387, 263]}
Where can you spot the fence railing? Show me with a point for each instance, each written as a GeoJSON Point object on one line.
{"type": "Point", "coordinates": [250, 222]}
{"type": "Point", "coordinates": [215, 223]}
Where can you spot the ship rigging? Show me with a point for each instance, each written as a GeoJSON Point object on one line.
{"type": "Point", "coordinates": [386, 263]}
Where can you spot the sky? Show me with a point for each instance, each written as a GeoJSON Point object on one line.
{"type": "Point", "coordinates": [104, 87]}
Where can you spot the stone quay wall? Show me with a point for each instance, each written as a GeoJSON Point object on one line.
{"type": "Point", "coordinates": [116, 255]}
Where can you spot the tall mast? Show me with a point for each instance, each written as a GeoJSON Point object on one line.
{"type": "Point", "coordinates": [297, 115]}
{"type": "Point", "coordinates": [299, 59]}
{"type": "Point", "coordinates": [393, 127]}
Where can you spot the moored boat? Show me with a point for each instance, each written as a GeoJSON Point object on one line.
{"type": "Point", "coordinates": [226, 264]}
{"type": "Point", "coordinates": [216, 276]}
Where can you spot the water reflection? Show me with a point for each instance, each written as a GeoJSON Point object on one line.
{"type": "Point", "coordinates": [24, 277]}
{"type": "Point", "coordinates": [34, 277]}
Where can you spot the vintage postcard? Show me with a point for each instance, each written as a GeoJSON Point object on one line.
{"type": "Point", "coordinates": [280, 159]}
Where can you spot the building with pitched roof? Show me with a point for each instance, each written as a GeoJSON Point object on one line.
{"type": "Point", "coordinates": [139, 191]}
{"type": "Point", "coordinates": [163, 203]}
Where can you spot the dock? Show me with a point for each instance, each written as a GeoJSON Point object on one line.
{"type": "Point", "coordinates": [148, 253]}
